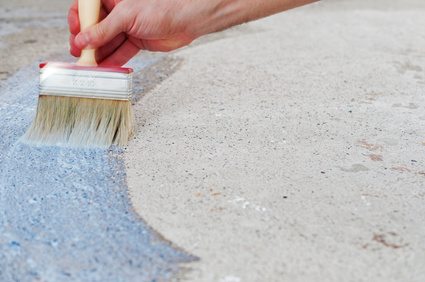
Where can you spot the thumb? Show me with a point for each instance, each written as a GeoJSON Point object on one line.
{"type": "Point", "coordinates": [100, 34]}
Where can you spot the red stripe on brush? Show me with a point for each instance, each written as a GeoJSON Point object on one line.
{"type": "Point", "coordinates": [75, 67]}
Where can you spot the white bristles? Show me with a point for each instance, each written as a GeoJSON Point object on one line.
{"type": "Point", "coordinates": [76, 121]}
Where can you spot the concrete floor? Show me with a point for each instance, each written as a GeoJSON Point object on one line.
{"type": "Point", "coordinates": [65, 214]}
{"type": "Point", "coordinates": [288, 149]}
{"type": "Point", "coordinates": [292, 148]}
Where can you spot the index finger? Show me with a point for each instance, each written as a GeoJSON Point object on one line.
{"type": "Point", "coordinates": [73, 21]}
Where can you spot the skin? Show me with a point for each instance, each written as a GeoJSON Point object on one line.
{"type": "Point", "coordinates": [127, 26]}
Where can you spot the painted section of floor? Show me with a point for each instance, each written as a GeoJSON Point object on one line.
{"type": "Point", "coordinates": [64, 212]}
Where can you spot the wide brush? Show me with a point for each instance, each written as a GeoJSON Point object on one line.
{"type": "Point", "coordinates": [83, 104]}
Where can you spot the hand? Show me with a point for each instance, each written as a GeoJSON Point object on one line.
{"type": "Point", "coordinates": [128, 26]}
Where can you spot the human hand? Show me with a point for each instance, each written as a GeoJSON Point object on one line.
{"type": "Point", "coordinates": [128, 26]}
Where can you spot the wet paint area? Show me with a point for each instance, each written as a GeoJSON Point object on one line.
{"type": "Point", "coordinates": [64, 212]}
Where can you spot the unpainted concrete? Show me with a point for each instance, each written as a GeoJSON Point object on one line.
{"type": "Point", "coordinates": [292, 148]}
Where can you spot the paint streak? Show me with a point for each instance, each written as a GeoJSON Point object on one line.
{"type": "Point", "coordinates": [376, 158]}
{"type": "Point", "coordinates": [370, 147]}
{"type": "Point", "coordinates": [381, 238]}
{"type": "Point", "coordinates": [401, 169]}
{"type": "Point", "coordinates": [64, 212]}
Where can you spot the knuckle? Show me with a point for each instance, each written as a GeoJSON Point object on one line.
{"type": "Point", "coordinates": [100, 32]}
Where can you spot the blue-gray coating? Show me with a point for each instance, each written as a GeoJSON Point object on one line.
{"type": "Point", "coordinates": [64, 212]}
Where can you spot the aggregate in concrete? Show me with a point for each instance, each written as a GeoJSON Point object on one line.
{"type": "Point", "coordinates": [64, 212]}
{"type": "Point", "coordinates": [292, 148]}
{"type": "Point", "coordinates": [288, 149]}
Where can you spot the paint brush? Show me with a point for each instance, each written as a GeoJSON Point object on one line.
{"type": "Point", "coordinates": [83, 104]}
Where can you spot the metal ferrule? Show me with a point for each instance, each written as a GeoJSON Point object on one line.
{"type": "Point", "coordinates": [94, 84]}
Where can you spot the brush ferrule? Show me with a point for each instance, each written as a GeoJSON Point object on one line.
{"type": "Point", "coordinates": [95, 83]}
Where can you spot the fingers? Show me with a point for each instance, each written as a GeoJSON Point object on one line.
{"type": "Point", "coordinates": [73, 22]}
{"type": "Point", "coordinates": [109, 5]}
{"type": "Point", "coordinates": [104, 31]}
{"type": "Point", "coordinates": [104, 49]}
{"type": "Point", "coordinates": [107, 49]}
{"type": "Point", "coordinates": [73, 17]}
{"type": "Point", "coordinates": [122, 55]}
{"type": "Point", "coordinates": [74, 50]}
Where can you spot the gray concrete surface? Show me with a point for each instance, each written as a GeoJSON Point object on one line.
{"type": "Point", "coordinates": [292, 148]}
{"type": "Point", "coordinates": [65, 214]}
{"type": "Point", "coordinates": [288, 149]}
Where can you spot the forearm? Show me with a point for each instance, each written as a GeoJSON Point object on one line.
{"type": "Point", "coordinates": [128, 26]}
{"type": "Point", "coordinates": [228, 13]}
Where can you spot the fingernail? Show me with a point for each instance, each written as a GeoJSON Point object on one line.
{"type": "Point", "coordinates": [82, 40]}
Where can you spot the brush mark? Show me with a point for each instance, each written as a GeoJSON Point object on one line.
{"type": "Point", "coordinates": [64, 212]}
{"type": "Point", "coordinates": [146, 79]}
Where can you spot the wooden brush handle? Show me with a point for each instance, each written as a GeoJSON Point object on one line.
{"type": "Point", "coordinates": [88, 12]}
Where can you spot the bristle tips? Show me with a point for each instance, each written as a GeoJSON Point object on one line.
{"type": "Point", "coordinates": [78, 122]}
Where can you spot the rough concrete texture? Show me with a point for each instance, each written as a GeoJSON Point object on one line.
{"type": "Point", "coordinates": [288, 149]}
{"type": "Point", "coordinates": [65, 214]}
{"type": "Point", "coordinates": [292, 148]}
